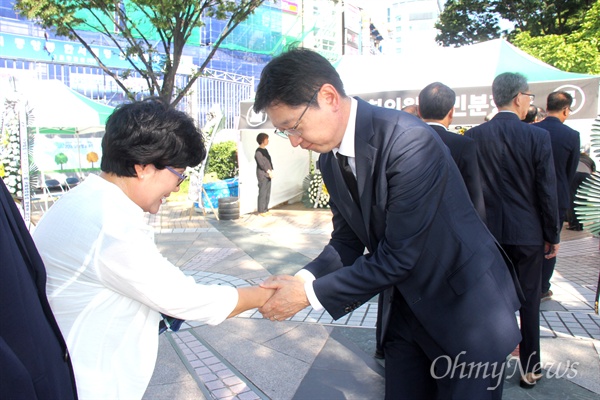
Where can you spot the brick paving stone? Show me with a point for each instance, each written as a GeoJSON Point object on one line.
{"type": "Point", "coordinates": [222, 393]}
{"type": "Point", "coordinates": [214, 385]}
{"type": "Point", "coordinates": [576, 271]}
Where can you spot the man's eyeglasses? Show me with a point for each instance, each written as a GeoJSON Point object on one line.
{"type": "Point", "coordinates": [531, 96]}
{"type": "Point", "coordinates": [180, 176]}
{"type": "Point", "coordinates": [293, 131]}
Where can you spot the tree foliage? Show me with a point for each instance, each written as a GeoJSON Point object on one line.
{"type": "Point", "coordinates": [222, 160]}
{"type": "Point", "coordinates": [471, 21]}
{"type": "Point", "coordinates": [578, 51]}
{"type": "Point", "coordinates": [466, 22]}
{"type": "Point", "coordinates": [150, 34]}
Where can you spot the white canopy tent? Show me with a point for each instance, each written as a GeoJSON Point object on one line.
{"type": "Point", "coordinates": [394, 81]}
{"type": "Point", "coordinates": [60, 117]}
{"type": "Point", "coordinates": [65, 122]}
{"type": "Point", "coordinates": [290, 165]}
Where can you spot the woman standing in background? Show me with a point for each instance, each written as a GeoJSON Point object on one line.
{"type": "Point", "coordinates": [264, 173]}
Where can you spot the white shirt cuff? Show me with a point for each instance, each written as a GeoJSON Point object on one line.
{"type": "Point", "coordinates": [308, 288]}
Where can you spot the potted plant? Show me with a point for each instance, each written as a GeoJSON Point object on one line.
{"type": "Point", "coordinates": [220, 179]}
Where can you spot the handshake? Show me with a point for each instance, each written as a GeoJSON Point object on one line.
{"type": "Point", "coordinates": [286, 296]}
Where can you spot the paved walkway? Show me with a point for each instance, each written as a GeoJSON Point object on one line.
{"type": "Point", "coordinates": [311, 356]}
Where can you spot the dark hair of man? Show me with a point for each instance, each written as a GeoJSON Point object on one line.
{"type": "Point", "coordinates": [436, 100]}
{"type": "Point", "coordinates": [411, 109]}
{"type": "Point", "coordinates": [261, 137]}
{"type": "Point", "coordinates": [507, 86]}
{"type": "Point", "coordinates": [149, 132]}
{"type": "Point", "coordinates": [558, 100]}
{"type": "Point", "coordinates": [292, 78]}
{"type": "Point", "coordinates": [531, 114]}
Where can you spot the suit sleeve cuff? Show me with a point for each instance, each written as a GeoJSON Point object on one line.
{"type": "Point", "coordinates": [308, 288]}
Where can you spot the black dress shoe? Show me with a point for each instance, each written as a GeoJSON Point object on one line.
{"type": "Point", "coordinates": [529, 380]}
{"type": "Point", "coordinates": [379, 354]}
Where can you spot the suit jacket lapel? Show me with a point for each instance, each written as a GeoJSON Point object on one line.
{"type": "Point", "coordinates": [365, 155]}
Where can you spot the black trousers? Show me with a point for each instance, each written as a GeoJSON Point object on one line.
{"type": "Point", "coordinates": [548, 265]}
{"type": "Point", "coordinates": [528, 262]}
{"type": "Point", "coordinates": [417, 368]}
{"type": "Point", "coordinates": [264, 195]}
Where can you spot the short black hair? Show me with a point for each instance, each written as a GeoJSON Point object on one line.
{"type": "Point", "coordinates": [531, 114]}
{"type": "Point", "coordinates": [149, 132]}
{"type": "Point", "coordinates": [261, 137]}
{"type": "Point", "coordinates": [436, 100]}
{"type": "Point", "coordinates": [292, 78]}
{"type": "Point", "coordinates": [558, 100]}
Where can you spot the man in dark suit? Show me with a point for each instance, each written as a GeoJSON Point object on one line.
{"type": "Point", "coordinates": [519, 189]}
{"type": "Point", "coordinates": [394, 190]}
{"type": "Point", "coordinates": [436, 108]}
{"type": "Point", "coordinates": [34, 362]}
{"type": "Point", "coordinates": [565, 152]}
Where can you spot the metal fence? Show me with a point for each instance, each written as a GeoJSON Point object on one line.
{"type": "Point", "coordinates": [225, 89]}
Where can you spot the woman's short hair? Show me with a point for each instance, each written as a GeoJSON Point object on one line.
{"type": "Point", "coordinates": [261, 137]}
{"type": "Point", "coordinates": [149, 132]}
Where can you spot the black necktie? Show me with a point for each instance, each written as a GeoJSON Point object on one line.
{"type": "Point", "coordinates": [349, 177]}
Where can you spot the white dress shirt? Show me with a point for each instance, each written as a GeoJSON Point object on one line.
{"type": "Point", "coordinates": [107, 284]}
{"type": "Point", "coordinates": [346, 148]}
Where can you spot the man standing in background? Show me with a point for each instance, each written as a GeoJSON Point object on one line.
{"type": "Point", "coordinates": [519, 189]}
{"type": "Point", "coordinates": [436, 108]}
{"type": "Point", "coordinates": [565, 151]}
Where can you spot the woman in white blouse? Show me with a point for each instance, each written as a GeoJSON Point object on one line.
{"type": "Point", "coordinates": [107, 282]}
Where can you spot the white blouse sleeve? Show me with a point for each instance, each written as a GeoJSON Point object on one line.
{"type": "Point", "coordinates": [129, 263]}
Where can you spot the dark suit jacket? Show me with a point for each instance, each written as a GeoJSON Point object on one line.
{"type": "Point", "coordinates": [424, 238]}
{"type": "Point", "coordinates": [518, 179]}
{"type": "Point", "coordinates": [34, 362]}
{"type": "Point", "coordinates": [565, 150]}
{"type": "Point", "coordinates": [464, 153]}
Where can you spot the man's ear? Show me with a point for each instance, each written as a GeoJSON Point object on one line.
{"type": "Point", "coordinates": [329, 96]}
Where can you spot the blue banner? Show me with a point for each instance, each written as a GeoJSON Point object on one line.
{"type": "Point", "coordinates": [59, 51]}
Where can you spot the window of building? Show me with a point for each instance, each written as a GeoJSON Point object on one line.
{"type": "Point", "coordinates": [420, 16]}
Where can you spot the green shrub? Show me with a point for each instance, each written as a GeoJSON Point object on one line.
{"type": "Point", "coordinates": [222, 160]}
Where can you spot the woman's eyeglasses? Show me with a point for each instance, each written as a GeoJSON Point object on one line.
{"type": "Point", "coordinates": [180, 176]}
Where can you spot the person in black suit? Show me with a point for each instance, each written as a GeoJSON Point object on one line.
{"type": "Point", "coordinates": [519, 189]}
{"type": "Point", "coordinates": [394, 190]}
{"type": "Point", "coordinates": [531, 115]}
{"type": "Point", "coordinates": [34, 361]}
{"type": "Point", "coordinates": [565, 152]}
{"type": "Point", "coordinates": [436, 108]}
{"type": "Point", "coordinates": [264, 173]}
